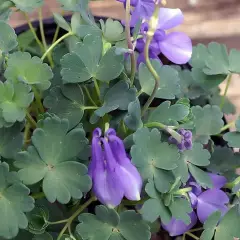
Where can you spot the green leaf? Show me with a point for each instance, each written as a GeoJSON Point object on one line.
{"type": "Point", "coordinates": [67, 102]}
{"type": "Point", "coordinates": [112, 30]}
{"type": "Point", "coordinates": [51, 159]}
{"type": "Point", "coordinates": [21, 67]}
{"type": "Point", "coordinates": [169, 114]}
{"type": "Point", "coordinates": [189, 158]}
{"type": "Point", "coordinates": [28, 6]}
{"type": "Point", "coordinates": [87, 61]}
{"type": "Point", "coordinates": [117, 97]}
{"type": "Point", "coordinates": [208, 120]}
{"type": "Point", "coordinates": [69, 5]}
{"type": "Point", "coordinates": [61, 22]}
{"type": "Point", "coordinates": [199, 55]}
{"type": "Point", "coordinates": [11, 141]}
{"type": "Point", "coordinates": [37, 220]}
{"type": "Point", "coordinates": [210, 225]}
{"type": "Point", "coordinates": [225, 162]}
{"type": "Point", "coordinates": [228, 228]}
{"type": "Point", "coordinates": [25, 39]}
{"type": "Point", "coordinates": [169, 80]}
{"type": "Point", "coordinates": [44, 236]}
{"type": "Point", "coordinates": [233, 139]}
{"type": "Point", "coordinates": [133, 118]}
{"type": "Point", "coordinates": [152, 157]}
{"type": "Point", "coordinates": [15, 98]}
{"type": "Point", "coordinates": [234, 57]}
{"type": "Point", "coordinates": [14, 202]}
{"type": "Point", "coordinates": [107, 224]}
{"type": "Point", "coordinates": [181, 213]}
{"type": "Point", "coordinates": [154, 207]}
{"type": "Point", "coordinates": [8, 38]}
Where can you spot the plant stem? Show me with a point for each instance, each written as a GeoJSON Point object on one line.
{"type": "Point", "coordinates": [43, 37]}
{"type": "Point", "coordinates": [69, 221]}
{"type": "Point", "coordinates": [129, 41]}
{"type": "Point", "coordinates": [229, 78]}
{"type": "Point", "coordinates": [56, 35]}
{"type": "Point", "coordinates": [38, 99]}
{"type": "Point", "coordinates": [196, 229]}
{"type": "Point", "coordinates": [153, 72]}
{"type": "Point", "coordinates": [58, 222]}
{"type": "Point", "coordinates": [33, 31]}
{"type": "Point", "coordinates": [89, 96]}
{"type": "Point", "coordinates": [97, 88]}
{"type": "Point", "coordinates": [55, 44]}
{"type": "Point", "coordinates": [26, 132]}
{"type": "Point", "coordinates": [227, 126]}
{"type": "Point", "coordinates": [90, 107]}
{"type": "Point", "coordinates": [192, 235]}
{"type": "Point", "coordinates": [31, 120]}
{"type": "Point", "coordinates": [38, 195]}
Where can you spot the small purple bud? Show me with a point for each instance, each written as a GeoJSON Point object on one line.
{"type": "Point", "coordinates": [188, 144]}
{"type": "Point", "coordinates": [188, 135]}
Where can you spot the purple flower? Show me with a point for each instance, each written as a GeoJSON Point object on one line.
{"type": "Point", "coordinates": [113, 174]}
{"type": "Point", "coordinates": [186, 143]}
{"type": "Point", "coordinates": [177, 227]}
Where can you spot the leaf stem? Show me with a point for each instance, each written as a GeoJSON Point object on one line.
{"type": "Point", "coordinates": [38, 99]}
{"type": "Point", "coordinates": [56, 32]}
{"type": "Point", "coordinates": [229, 78]}
{"type": "Point", "coordinates": [153, 72]}
{"type": "Point", "coordinates": [97, 88]}
{"type": "Point", "coordinates": [38, 195]}
{"type": "Point", "coordinates": [69, 220]}
{"type": "Point", "coordinates": [57, 222]}
{"type": "Point", "coordinates": [89, 107]}
{"type": "Point", "coordinates": [192, 235]}
{"type": "Point", "coordinates": [33, 31]}
{"type": "Point", "coordinates": [55, 44]}
{"type": "Point", "coordinates": [89, 96]}
{"type": "Point", "coordinates": [31, 120]}
{"type": "Point", "coordinates": [26, 133]}
{"type": "Point", "coordinates": [129, 41]}
{"type": "Point", "coordinates": [196, 229]}
{"type": "Point", "coordinates": [227, 126]}
{"type": "Point", "coordinates": [43, 37]}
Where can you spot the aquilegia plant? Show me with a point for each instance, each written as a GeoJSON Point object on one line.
{"type": "Point", "coordinates": [103, 138]}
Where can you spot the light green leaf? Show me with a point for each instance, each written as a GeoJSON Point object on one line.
{"type": "Point", "coordinates": [112, 30]}
{"type": "Point", "coordinates": [234, 57]}
{"type": "Point", "coordinates": [181, 213]}
{"type": "Point", "coordinates": [28, 6]}
{"type": "Point", "coordinates": [169, 83]}
{"type": "Point", "coordinates": [133, 118]}
{"type": "Point", "coordinates": [44, 236]}
{"type": "Point", "coordinates": [117, 97]}
{"type": "Point", "coordinates": [51, 159]}
{"type": "Point", "coordinates": [69, 5]}
{"type": "Point", "coordinates": [14, 202]}
{"type": "Point", "coordinates": [8, 38]}
{"type": "Point", "coordinates": [23, 68]}
{"type": "Point", "coordinates": [224, 162]}
{"type": "Point", "coordinates": [169, 114]}
{"type": "Point", "coordinates": [152, 157]}
{"type": "Point", "coordinates": [15, 98]}
{"type": "Point", "coordinates": [154, 207]}
{"type": "Point", "coordinates": [61, 22]}
{"type": "Point", "coordinates": [210, 225]}
{"type": "Point", "coordinates": [208, 120]}
{"type": "Point", "coordinates": [228, 228]}
{"type": "Point", "coordinates": [199, 55]}
{"type": "Point", "coordinates": [87, 61]}
{"type": "Point", "coordinates": [11, 141]}
{"type": "Point", "coordinates": [67, 102]}
{"type": "Point", "coordinates": [25, 39]}
{"type": "Point", "coordinates": [233, 139]}
{"type": "Point", "coordinates": [107, 224]}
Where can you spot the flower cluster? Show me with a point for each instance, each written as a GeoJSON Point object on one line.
{"type": "Point", "coordinates": [113, 174]}
{"type": "Point", "coordinates": [204, 203]}
{"type": "Point", "coordinates": [186, 142]}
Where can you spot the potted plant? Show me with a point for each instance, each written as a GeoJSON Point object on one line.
{"type": "Point", "coordinates": [115, 130]}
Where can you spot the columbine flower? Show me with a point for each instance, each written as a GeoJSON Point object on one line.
{"type": "Point", "coordinates": [113, 174]}
{"type": "Point", "coordinates": [211, 200]}
{"type": "Point", "coordinates": [186, 143]}
{"type": "Point", "coordinates": [177, 227]}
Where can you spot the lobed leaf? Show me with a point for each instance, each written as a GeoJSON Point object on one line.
{"type": "Point", "coordinates": [28, 6]}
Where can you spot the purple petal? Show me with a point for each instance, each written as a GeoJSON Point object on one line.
{"type": "Point", "coordinates": [145, 8]}
{"type": "Point", "coordinates": [177, 47]}
{"type": "Point", "coordinates": [178, 227]}
{"type": "Point", "coordinates": [210, 201]}
{"type": "Point", "coordinates": [169, 18]}
{"type": "Point", "coordinates": [193, 199]}
{"type": "Point", "coordinates": [217, 180]}
{"type": "Point", "coordinates": [107, 188]}
{"type": "Point", "coordinates": [111, 162]}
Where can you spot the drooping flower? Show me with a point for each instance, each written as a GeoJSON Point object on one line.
{"type": "Point", "coordinates": [177, 227]}
{"type": "Point", "coordinates": [186, 143]}
{"type": "Point", "coordinates": [113, 174]}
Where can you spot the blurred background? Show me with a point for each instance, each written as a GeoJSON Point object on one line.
{"type": "Point", "coordinates": [205, 21]}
